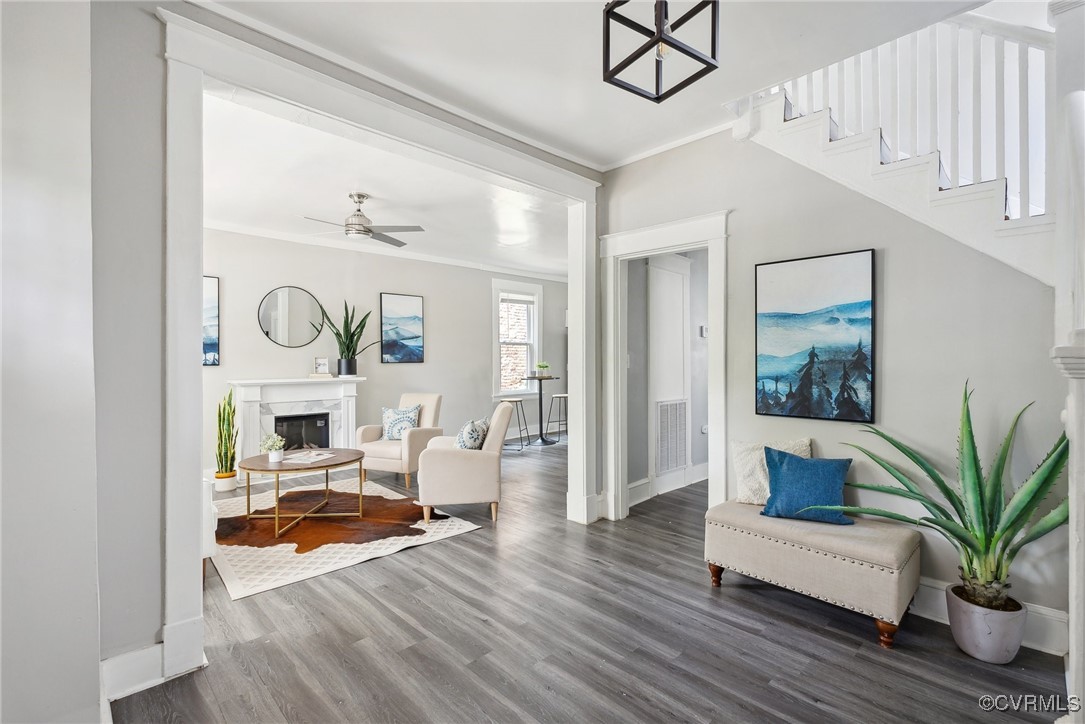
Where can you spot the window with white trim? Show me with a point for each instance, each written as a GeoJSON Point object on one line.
{"type": "Point", "coordinates": [517, 310]}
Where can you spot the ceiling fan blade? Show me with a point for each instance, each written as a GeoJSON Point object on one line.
{"type": "Point", "coordinates": [388, 239]}
{"type": "Point", "coordinates": [322, 221]}
{"type": "Point", "coordinates": [384, 229]}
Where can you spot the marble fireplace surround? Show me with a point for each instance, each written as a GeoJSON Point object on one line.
{"type": "Point", "coordinates": [259, 401]}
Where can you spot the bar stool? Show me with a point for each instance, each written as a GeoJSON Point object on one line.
{"type": "Point", "coordinates": [562, 399]}
{"type": "Point", "coordinates": [521, 420]}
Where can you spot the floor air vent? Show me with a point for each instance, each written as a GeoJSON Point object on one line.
{"type": "Point", "coordinates": [671, 441]}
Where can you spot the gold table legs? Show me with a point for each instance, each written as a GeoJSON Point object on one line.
{"type": "Point", "coordinates": [311, 513]}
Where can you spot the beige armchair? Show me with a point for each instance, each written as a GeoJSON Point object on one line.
{"type": "Point", "coordinates": [448, 475]}
{"type": "Point", "coordinates": [401, 456]}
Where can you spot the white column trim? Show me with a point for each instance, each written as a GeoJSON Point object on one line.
{"type": "Point", "coordinates": [182, 632]}
{"type": "Point", "coordinates": [708, 231]}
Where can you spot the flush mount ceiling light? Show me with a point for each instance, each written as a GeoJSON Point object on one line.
{"type": "Point", "coordinates": [660, 43]}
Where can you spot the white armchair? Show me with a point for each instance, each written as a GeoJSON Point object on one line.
{"type": "Point", "coordinates": [401, 456]}
{"type": "Point", "coordinates": [448, 475]}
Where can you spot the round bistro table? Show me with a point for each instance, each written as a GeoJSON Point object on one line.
{"type": "Point", "coordinates": [340, 458]}
{"type": "Point", "coordinates": [539, 379]}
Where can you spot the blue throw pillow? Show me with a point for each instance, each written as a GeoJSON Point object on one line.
{"type": "Point", "coordinates": [796, 483]}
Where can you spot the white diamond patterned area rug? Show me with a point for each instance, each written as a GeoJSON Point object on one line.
{"type": "Point", "coordinates": [251, 560]}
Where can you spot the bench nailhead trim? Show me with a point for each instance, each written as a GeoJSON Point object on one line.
{"type": "Point", "coordinates": [856, 561]}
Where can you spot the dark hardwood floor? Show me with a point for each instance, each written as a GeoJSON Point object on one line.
{"type": "Point", "coordinates": [535, 618]}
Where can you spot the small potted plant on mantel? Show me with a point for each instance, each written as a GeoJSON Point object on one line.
{"type": "Point", "coordinates": [273, 445]}
{"type": "Point", "coordinates": [542, 369]}
{"type": "Point", "coordinates": [987, 522]}
{"type": "Point", "coordinates": [226, 446]}
{"type": "Point", "coordinates": [347, 337]}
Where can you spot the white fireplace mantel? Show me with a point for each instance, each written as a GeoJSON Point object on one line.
{"type": "Point", "coordinates": [258, 401]}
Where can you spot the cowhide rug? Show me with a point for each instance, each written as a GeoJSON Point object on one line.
{"type": "Point", "coordinates": [251, 560]}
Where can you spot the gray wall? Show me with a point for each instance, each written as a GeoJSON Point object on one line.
{"type": "Point", "coordinates": [458, 333]}
{"type": "Point", "coordinates": [49, 597]}
{"type": "Point", "coordinates": [698, 353]}
{"type": "Point", "coordinates": [944, 313]}
{"type": "Point", "coordinates": [129, 164]}
{"type": "Point", "coordinates": [637, 375]}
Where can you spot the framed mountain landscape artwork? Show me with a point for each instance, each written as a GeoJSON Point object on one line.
{"type": "Point", "coordinates": [401, 328]}
{"type": "Point", "coordinates": [815, 337]}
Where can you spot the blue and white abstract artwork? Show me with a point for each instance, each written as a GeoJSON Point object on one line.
{"type": "Point", "coordinates": [401, 328]}
{"type": "Point", "coordinates": [210, 321]}
{"type": "Point", "coordinates": [815, 337]}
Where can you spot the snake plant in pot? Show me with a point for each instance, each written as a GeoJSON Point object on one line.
{"type": "Point", "coordinates": [347, 337]}
{"type": "Point", "coordinates": [226, 445]}
{"type": "Point", "coordinates": [988, 523]}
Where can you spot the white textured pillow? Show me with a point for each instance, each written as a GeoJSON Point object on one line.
{"type": "Point", "coordinates": [753, 473]}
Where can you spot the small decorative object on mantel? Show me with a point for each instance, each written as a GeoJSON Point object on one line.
{"type": "Point", "coordinates": [542, 369]}
{"type": "Point", "coordinates": [273, 445]}
{"type": "Point", "coordinates": [402, 325]}
{"type": "Point", "coordinates": [815, 337]}
{"type": "Point", "coordinates": [659, 46]}
{"type": "Point", "coordinates": [347, 337]}
{"type": "Point", "coordinates": [988, 522]}
{"type": "Point", "coordinates": [226, 447]}
{"type": "Point", "coordinates": [320, 369]}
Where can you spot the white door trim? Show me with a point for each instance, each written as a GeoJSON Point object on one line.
{"type": "Point", "coordinates": [708, 231]}
{"type": "Point", "coordinates": [195, 52]}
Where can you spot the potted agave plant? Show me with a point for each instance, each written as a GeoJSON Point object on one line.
{"type": "Point", "coordinates": [226, 446]}
{"type": "Point", "coordinates": [273, 445]}
{"type": "Point", "coordinates": [347, 337]}
{"type": "Point", "coordinates": [987, 522]}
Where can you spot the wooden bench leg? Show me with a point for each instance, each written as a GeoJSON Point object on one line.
{"type": "Point", "coordinates": [716, 572]}
{"type": "Point", "coordinates": [886, 632]}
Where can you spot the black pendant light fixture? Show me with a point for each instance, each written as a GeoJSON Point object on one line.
{"type": "Point", "coordinates": [661, 43]}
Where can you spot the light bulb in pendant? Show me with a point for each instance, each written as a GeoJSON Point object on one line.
{"type": "Point", "coordinates": [663, 51]}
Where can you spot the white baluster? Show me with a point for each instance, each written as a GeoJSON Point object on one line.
{"type": "Point", "coordinates": [1022, 136]}
{"type": "Point", "coordinates": [825, 89]}
{"type": "Point", "coordinates": [1049, 130]}
{"type": "Point", "coordinates": [932, 89]}
{"type": "Point", "coordinates": [809, 77]}
{"type": "Point", "coordinates": [893, 120]}
{"type": "Point", "coordinates": [857, 90]}
{"type": "Point", "coordinates": [913, 95]}
{"type": "Point", "coordinates": [977, 110]}
{"type": "Point", "coordinates": [841, 100]}
{"type": "Point", "coordinates": [954, 154]}
{"type": "Point", "coordinates": [875, 89]}
{"type": "Point", "coordinates": [1000, 107]}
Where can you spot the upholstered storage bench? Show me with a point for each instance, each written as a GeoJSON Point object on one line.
{"type": "Point", "coordinates": [871, 567]}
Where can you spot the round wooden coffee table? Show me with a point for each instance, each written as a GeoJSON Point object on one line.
{"type": "Point", "coordinates": [301, 461]}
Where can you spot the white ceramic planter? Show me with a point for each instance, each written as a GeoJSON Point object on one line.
{"type": "Point", "coordinates": [225, 485]}
{"type": "Point", "coordinates": [984, 633]}
{"type": "Point", "coordinates": [275, 456]}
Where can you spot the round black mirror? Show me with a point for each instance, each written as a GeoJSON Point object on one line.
{"type": "Point", "coordinates": [290, 317]}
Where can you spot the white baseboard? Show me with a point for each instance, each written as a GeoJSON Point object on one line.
{"type": "Point", "coordinates": [639, 491]}
{"type": "Point", "coordinates": [1045, 629]}
{"type": "Point", "coordinates": [696, 473]}
{"type": "Point", "coordinates": [132, 671]}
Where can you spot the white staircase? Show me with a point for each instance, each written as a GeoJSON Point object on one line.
{"type": "Point", "coordinates": [949, 126]}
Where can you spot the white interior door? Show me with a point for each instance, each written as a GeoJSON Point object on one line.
{"type": "Point", "coordinates": [668, 372]}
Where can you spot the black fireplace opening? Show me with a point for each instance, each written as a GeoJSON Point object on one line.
{"type": "Point", "coordinates": [302, 432]}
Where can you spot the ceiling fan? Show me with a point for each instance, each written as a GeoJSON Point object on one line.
{"type": "Point", "coordinates": [358, 224]}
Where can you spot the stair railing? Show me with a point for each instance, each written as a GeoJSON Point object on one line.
{"type": "Point", "coordinates": [975, 89]}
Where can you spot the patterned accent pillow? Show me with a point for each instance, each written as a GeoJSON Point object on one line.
{"type": "Point", "coordinates": [473, 434]}
{"type": "Point", "coordinates": [751, 470]}
{"type": "Point", "coordinates": [398, 420]}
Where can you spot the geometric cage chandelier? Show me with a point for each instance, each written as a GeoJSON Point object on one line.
{"type": "Point", "coordinates": [661, 42]}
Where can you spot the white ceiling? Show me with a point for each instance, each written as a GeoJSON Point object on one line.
{"type": "Point", "coordinates": [266, 169]}
{"type": "Point", "coordinates": [534, 69]}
